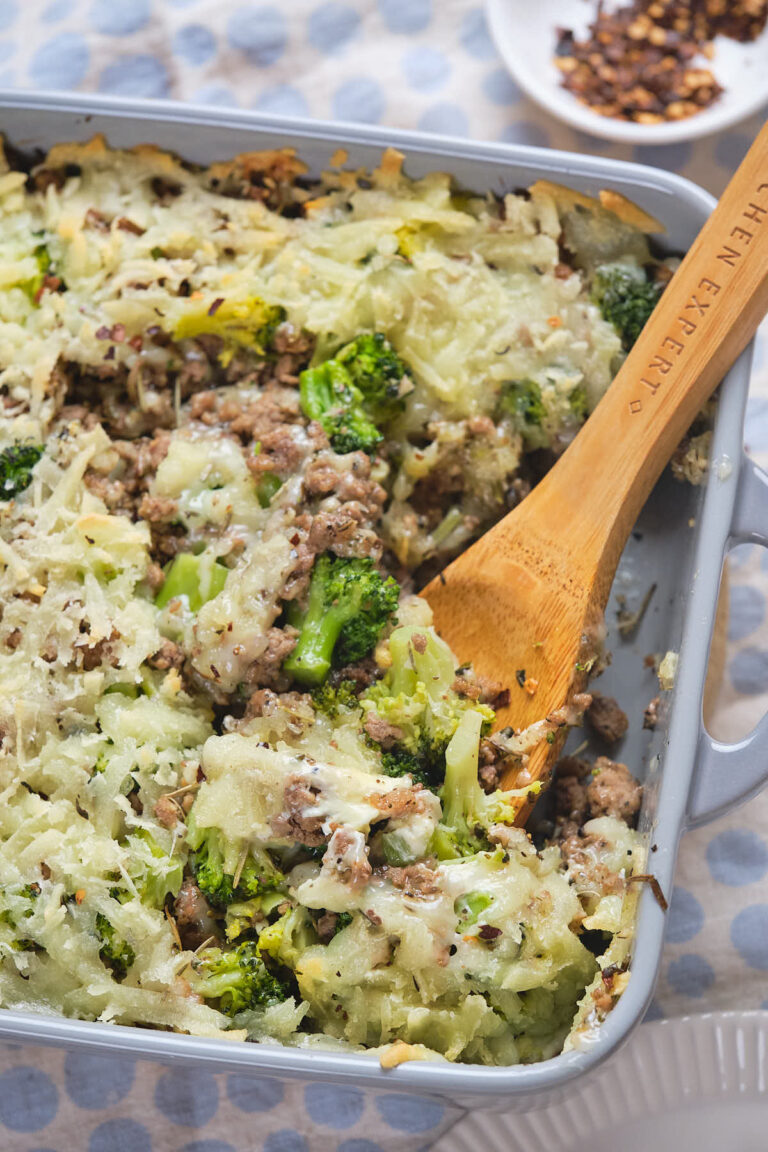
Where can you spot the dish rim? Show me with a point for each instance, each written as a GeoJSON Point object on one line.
{"type": "Point", "coordinates": [476, 1081]}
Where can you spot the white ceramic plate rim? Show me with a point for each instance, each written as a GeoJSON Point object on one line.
{"type": "Point", "coordinates": [718, 1057]}
{"type": "Point", "coordinates": [548, 94]}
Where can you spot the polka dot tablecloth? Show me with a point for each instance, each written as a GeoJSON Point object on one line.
{"type": "Point", "coordinates": [427, 64]}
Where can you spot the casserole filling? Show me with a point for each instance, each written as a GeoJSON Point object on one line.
{"type": "Point", "coordinates": [245, 788]}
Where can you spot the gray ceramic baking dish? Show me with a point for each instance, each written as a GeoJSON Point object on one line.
{"type": "Point", "coordinates": [679, 544]}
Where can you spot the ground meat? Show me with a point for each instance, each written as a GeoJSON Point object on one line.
{"type": "Point", "coordinates": [194, 917]}
{"type": "Point", "coordinates": [381, 730]}
{"type": "Point", "coordinates": [266, 671]}
{"type": "Point", "coordinates": [469, 688]}
{"type": "Point", "coordinates": [651, 714]}
{"type": "Point", "coordinates": [124, 485]}
{"type": "Point", "coordinates": [168, 655]}
{"type": "Point", "coordinates": [158, 509]}
{"type": "Point", "coordinates": [606, 718]}
{"type": "Point", "coordinates": [414, 880]}
{"type": "Point", "coordinates": [166, 812]}
{"type": "Point", "coordinates": [347, 858]}
{"type": "Point", "coordinates": [347, 477]}
{"type": "Point", "coordinates": [344, 532]}
{"type": "Point", "coordinates": [265, 702]}
{"type": "Point", "coordinates": [155, 578]}
{"type": "Point", "coordinates": [282, 452]}
{"type": "Point", "coordinates": [397, 803]}
{"type": "Point", "coordinates": [292, 823]}
{"type": "Point", "coordinates": [101, 652]}
{"type": "Point", "coordinates": [491, 765]}
{"type": "Point", "coordinates": [361, 675]}
{"type": "Point", "coordinates": [325, 926]}
{"type": "Point", "coordinates": [590, 874]}
{"type": "Point", "coordinates": [13, 639]}
{"type": "Point", "coordinates": [613, 791]}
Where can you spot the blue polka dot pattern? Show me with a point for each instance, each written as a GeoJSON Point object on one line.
{"type": "Point", "coordinates": [61, 62]}
{"type": "Point", "coordinates": [57, 10]}
{"type": "Point", "coordinates": [139, 75]}
{"type": "Point", "coordinates": [286, 1140]}
{"type": "Point", "coordinates": [28, 1099]}
{"type": "Point", "coordinates": [737, 856]}
{"type": "Point", "coordinates": [207, 1146]}
{"type": "Point", "coordinates": [334, 1107]}
{"type": "Point", "coordinates": [120, 1136]}
{"type": "Point", "coordinates": [749, 935]}
{"type": "Point", "coordinates": [653, 1012]}
{"type": "Point", "coordinates": [187, 1097]}
{"type": "Point", "coordinates": [254, 1093]}
{"type": "Point", "coordinates": [216, 94]}
{"type": "Point", "coordinates": [691, 975]}
{"type": "Point", "coordinates": [426, 69]}
{"type": "Point", "coordinates": [500, 88]}
{"type": "Point", "coordinates": [746, 611]}
{"type": "Point", "coordinates": [282, 100]}
{"type": "Point", "coordinates": [475, 37]}
{"type": "Point", "coordinates": [525, 132]}
{"type": "Point", "coordinates": [406, 15]}
{"type": "Point", "coordinates": [360, 1146]}
{"type": "Point", "coordinates": [195, 43]}
{"type": "Point", "coordinates": [9, 10]}
{"type": "Point", "coordinates": [360, 100]}
{"type": "Point", "coordinates": [749, 671]}
{"type": "Point", "coordinates": [97, 1081]}
{"type": "Point", "coordinates": [409, 1113]}
{"type": "Point", "coordinates": [331, 26]}
{"type": "Point", "coordinates": [686, 917]}
{"type": "Point", "coordinates": [670, 156]}
{"type": "Point", "coordinates": [258, 32]}
{"type": "Point", "coordinates": [119, 19]}
{"type": "Point", "coordinates": [445, 120]}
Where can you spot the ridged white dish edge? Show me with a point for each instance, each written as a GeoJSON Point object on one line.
{"type": "Point", "coordinates": [666, 1065]}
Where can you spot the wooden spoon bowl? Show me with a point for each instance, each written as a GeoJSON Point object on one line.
{"type": "Point", "coordinates": [530, 595]}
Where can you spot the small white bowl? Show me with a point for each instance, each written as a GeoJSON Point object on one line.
{"type": "Point", "coordinates": [525, 32]}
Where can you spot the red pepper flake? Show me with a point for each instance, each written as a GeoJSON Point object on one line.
{"type": "Point", "coordinates": [136, 343]}
{"type": "Point", "coordinates": [488, 932]}
{"type": "Point", "coordinates": [215, 306]}
{"type": "Point", "coordinates": [103, 333]}
{"type": "Point", "coordinates": [110, 354]}
{"type": "Point", "coordinates": [118, 333]}
{"type": "Point", "coordinates": [127, 225]}
{"type": "Point", "coordinates": [80, 895]}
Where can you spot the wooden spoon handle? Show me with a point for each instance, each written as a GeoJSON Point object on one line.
{"type": "Point", "coordinates": [705, 318]}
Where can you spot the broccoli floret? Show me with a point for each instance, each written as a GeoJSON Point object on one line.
{"type": "Point", "coordinates": [626, 298]}
{"type": "Point", "coordinates": [417, 696]}
{"type": "Point", "coordinates": [329, 396]}
{"type": "Point", "coordinates": [209, 861]}
{"type": "Point", "coordinates": [378, 373]}
{"type": "Point", "coordinates": [348, 606]}
{"type": "Point", "coordinates": [116, 953]}
{"type": "Point", "coordinates": [237, 978]}
{"type": "Point", "coordinates": [355, 392]}
{"type": "Point", "coordinates": [249, 323]}
{"type": "Point", "coordinates": [522, 400]}
{"type": "Point", "coordinates": [330, 701]}
{"type": "Point", "coordinates": [16, 464]}
{"type": "Point", "coordinates": [468, 812]}
{"type": "Point", "coordinates": [577, 402]}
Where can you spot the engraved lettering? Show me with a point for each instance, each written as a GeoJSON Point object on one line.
{"type": "Point", "coordinates": [708, 285]}
{"type": "Point", "coordinates": [693, 305]}
{"type": "Point", "coordinates": [739, 231]}
{"type": "Point", "coordinates": [687, 325]}
{"type": "Point", "coordinates": [755, 212]}
{"type": "Point", "coordinates": [660, 364]}
{"type": "Point", "coordinates": [729, 256]}
{"type": "Point", "coordinates": [635, 406]}
{"type": "Point", "coordinates": [653, 385]}
{"type": "Point", "coordinates": [673, 345]}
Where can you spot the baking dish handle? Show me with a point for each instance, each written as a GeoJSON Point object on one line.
{"type": "Point", "coordinates": [727, 774]}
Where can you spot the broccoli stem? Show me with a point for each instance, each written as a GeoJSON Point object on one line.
{"type": "Point", "coordinates": [189, 576]}
{"type": "Point", "coordinates": [310, 661]}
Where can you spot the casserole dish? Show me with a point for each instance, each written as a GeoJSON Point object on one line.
{"type": "Point", "coordinates": [655, 554]}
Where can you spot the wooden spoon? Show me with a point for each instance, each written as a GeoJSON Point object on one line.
{"type": "Point", "coordinates": [531, 593]}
